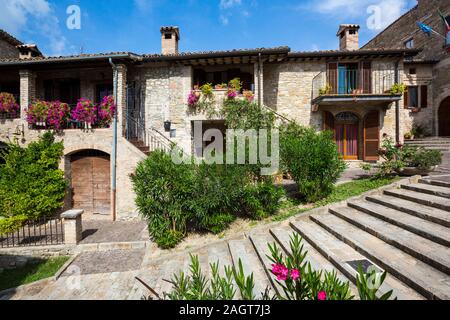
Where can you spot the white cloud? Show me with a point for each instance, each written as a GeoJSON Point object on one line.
{"type": "Point", "coordinates": [224, 20]}
{"type": "Point", "coordinates": [35, 16]}
{"type": "Point", "coordinates": [389, 10]}
{"type": "Point", "coordinates": [143, 5]}
{"type": "Point", "coordinates": [227, 4]}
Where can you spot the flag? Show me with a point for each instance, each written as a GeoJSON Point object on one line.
{"type": "Point", "coordinates": [426, 29]}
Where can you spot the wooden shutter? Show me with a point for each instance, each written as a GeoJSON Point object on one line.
{"type": "Point", "coordinates": [371, 136]}
{"type": "Point", "coordinates": [406, 99]}
{"type": "Point", "coordinates": [366, 77]}
{"type": "Point", "coordinates": [423, 96]}
{"type": "Point", "coordinates": [332, 76]}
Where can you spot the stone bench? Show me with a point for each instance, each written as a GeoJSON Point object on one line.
{"type": "Point", "coordinates": [72, 226]}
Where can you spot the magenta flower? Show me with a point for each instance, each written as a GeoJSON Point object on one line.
{"type": "Point", "coordinates": [8, 104]}
{"type": "Point", "coordinates": [295, 274]}
{"type": "Point", "coordinates": [231, 94]}
{"type": "Point", "coordinates": [280, 271]}
{"type": "Point", "coordinates": [192, 99]}
{"type": "Point", "coordinates": [322, 296]}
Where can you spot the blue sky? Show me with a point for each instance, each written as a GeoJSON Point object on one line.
{"type": "Point", "coordinates": [133, 25]}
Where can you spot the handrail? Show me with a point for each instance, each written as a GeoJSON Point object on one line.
{"type": "Point", "coordinates": [278, 115]}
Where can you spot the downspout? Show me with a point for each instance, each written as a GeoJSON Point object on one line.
{"type": "Point", "coordinates": [259, 80]}
{"type": "Point", "coordinates": [114, 146]}
{"type": "Point", "coordinates": [397, 107]}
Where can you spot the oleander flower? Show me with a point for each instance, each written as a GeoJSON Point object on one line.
{"type": "Point", "coordinates": [295, 274]}
{"type": "Point", "coordinates": [280, 271]}
{"type": "Point", "coordinates": [322, 296]}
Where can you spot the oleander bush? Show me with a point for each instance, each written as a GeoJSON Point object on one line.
{"type": "Point", "coordinates": [31, 184]}
{"type": "Point", "coordinates": [178, 199]}
{"type": "Point", "coordinates": [312, 160]}
{"type": "Point", "coordinates": [294, 275]}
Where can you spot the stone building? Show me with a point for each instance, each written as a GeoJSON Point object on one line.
{"type": "Point", "coordinates": [346, 90]}
{"type": "Point", "coordinates": [428, 73]}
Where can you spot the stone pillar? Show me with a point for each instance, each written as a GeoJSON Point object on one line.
{"type": "Point", "coordinates": [72, 226]}
{"type": "Point", "coordinates": [257, 72]}
{"type": "Point", "coordinates": [27, 90]}
{"type": "Point", "coordinates": [121, 98]}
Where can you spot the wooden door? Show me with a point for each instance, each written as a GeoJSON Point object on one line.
{"type": "Point", "coordinates": [91, 183]}
{"type": "Point", "coordinates": [371, 136]}
{"type": "Point", "coordinates": [444, 118]}
{"type": "Point", "coordinates": [347, 140]}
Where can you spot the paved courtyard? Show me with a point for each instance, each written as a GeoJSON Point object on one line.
{"type": "Point", "coordinates": [108, 231]}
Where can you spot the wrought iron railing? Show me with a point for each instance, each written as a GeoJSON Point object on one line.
{"type": "Point", "coordinates": [352, 82]}
{"type": "Point", "coordinates": [136, 132]}
{"type": "Point", "coordinates": [41, 232]}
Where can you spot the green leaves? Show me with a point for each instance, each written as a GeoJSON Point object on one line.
{"type": "Point", "coordinates": [31, 183]}
{"type": "Point", "coordinates": [369, 284]}
{"type": "Point", "coordinates": [312, 159]}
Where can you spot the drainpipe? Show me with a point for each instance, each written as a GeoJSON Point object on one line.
{"type": "Point", "coordinates": [259, 79]}
{"type": "Point", "coordinates": [397, 107]}
{"type": "Point", "coordinates": [114, 145]}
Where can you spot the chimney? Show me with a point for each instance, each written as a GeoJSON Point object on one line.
{"type": "Point", "coordinates": [29, 51]}
{"type": "Point", "coordinates": [169, 40]}
{"type": "Point", "coordinates": [348, 37]}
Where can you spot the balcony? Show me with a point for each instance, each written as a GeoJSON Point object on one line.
{"type": "Point", "coordinates": [356, 87]}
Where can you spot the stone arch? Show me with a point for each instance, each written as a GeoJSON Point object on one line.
{"type": "Point", "coordinates": [68, 151]}
{"type": "Point", "coordinates": [444, 118]}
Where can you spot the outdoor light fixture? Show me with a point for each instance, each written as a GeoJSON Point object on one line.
{"type": "Point", "coordinates": [167, 126]}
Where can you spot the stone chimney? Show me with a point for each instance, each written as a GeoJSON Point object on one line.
{"type": "Point", "coordinates": [29, 51]}
{"type": "Point", "coordinates": [348, 37]}
{"type": "Point", "coordinates": [169, 40]}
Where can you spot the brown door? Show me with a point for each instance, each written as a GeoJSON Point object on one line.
{"type": "Point", "coordinates": [444, 118]}
{"type": "Point", "coordinates": [346, 136]}
{"type": "Point", "coordinates": [91, 182]}
{"type": "Point", "coordinates": [371, 136]}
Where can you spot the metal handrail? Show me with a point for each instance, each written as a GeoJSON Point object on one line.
{"type": "Point", "coordinates": [151, 138]}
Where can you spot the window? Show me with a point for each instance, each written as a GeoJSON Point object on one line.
{"type": "Point", "coordinates": [168, 36]}
{"type": "Point", "coordinates": [412, 71]}
{"type": "Point", "coordinates": [416, 97]}
{"type": "Point", "coordinates": [352, 32]}
{"type": "Point", "coordinates": [103, 90]}
{"type": "Point", "coordinates": [409, 44]}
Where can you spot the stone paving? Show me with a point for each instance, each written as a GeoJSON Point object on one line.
{"type": "Point", "coordinates": [120, 231]}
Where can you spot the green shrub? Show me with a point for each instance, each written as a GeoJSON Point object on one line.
{"type": "Point", "coordinates": [163, 191]}
{"type": "Point", "coordinates": [177, 199]}
{"type": "Point", "coordinates": [31, 183]}
{"type": "Point", "coordinates": [312, 159]}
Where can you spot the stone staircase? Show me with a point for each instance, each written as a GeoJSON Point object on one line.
{"type": "Point", "coordinates": [403, 230]}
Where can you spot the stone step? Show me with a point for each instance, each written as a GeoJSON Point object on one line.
{"type": "Point", "coordinates": [436, 182]}
{"type": "Point", "coordinates": [428, 189]}
{"type": "Point", "coordinates": [425, 199]}
{"type": "Point", "coordinates": [260, 242]}
{"type": "Point", "coordinates": [340, 254]}
{"type": "Point", "coordinates": [434, 215]}
{"type": "Point", "coordinates": [428, 251]}
{"type": "Point", "coordinates": [431, 283]}
{"type": "Point", "coordinates": [423, 228]}
{"type": "Point", "coordinates": [317, 261]}
{"type": "Point", "coordinates": [243, 249]}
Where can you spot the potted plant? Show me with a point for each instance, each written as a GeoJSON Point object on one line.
{"type": "Point", "coordinates": [106, 112]}
{"type": "Point", "coordinates": [408, 136]}
{"type": "Point", "coordinates": [57, 114]}
{"type": "Point", "coordinates": [85, 112]}
{"type": "Point", "coordinates": [37, 113]}
{"type": "Point", "coordinates": [193, 98]}
{"type": "Point", "coordinates": [325, 90]}
{"type": "Point", "coordinates": [248, 94]}
{"type": "Point", "coordinates": [398, 89]}
{"type": "Point", "coordinates": [8, 105]}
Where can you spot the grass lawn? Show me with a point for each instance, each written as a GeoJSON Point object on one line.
{"type": "Point", "coordinates": [340, 193]}
{"type": "Point", "coordinates": [31, 273]}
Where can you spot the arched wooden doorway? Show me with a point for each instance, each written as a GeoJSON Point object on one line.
{"type": "Point", "coordinates": [444, 118]}
{"type": "Point", "coordinates": [90, 183]}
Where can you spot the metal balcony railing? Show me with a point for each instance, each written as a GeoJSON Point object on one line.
{"type": "Point", "coordinates": [353, 82]}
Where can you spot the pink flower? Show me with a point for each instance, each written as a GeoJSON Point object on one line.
{"type": "Point", "coordinates": [295, 274]}
{"type": "Point", "coordinates": [280, 271]}
{"type": "Point", "coordinates": [231, 94]}
{"type": "Point", "coordinates": [322, 296]}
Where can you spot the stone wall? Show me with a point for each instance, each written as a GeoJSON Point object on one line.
{"type": "Point", "coordinates": [8, 51]}
{"type": "Point", "coordinates": [406, 28]}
